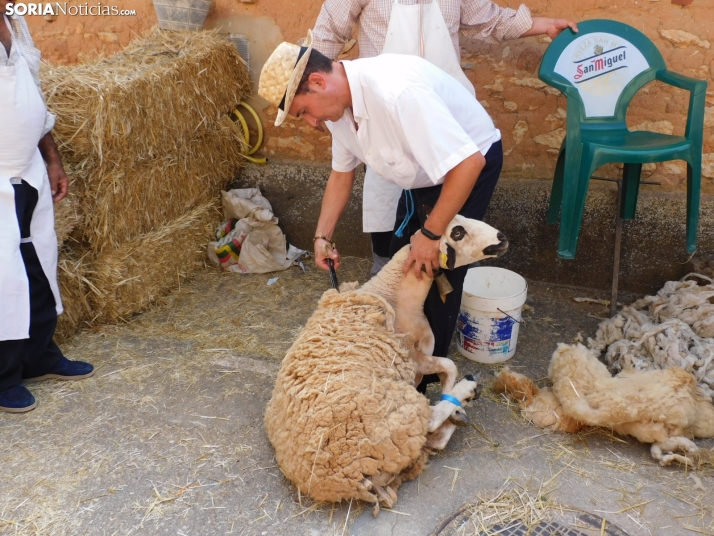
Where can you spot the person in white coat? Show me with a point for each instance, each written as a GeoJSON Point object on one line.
{"type": "Point", "coordinates": [426, 28]}
{"type": "Point", "coordinates": [31, 179]}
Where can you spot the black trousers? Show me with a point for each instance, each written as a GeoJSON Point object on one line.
{"type": "Point", "coordinates": [442, 316]}
{"type": "Point", "coordinates": [27, 358]}
{"type": "Point", "coordinates": [381, 243]}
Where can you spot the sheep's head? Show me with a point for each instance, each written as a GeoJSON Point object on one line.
{"type": "Point", "coordinates": [466, 241]}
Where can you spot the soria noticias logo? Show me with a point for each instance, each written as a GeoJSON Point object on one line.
{"type": "Point", "coordinates": [63, 8]}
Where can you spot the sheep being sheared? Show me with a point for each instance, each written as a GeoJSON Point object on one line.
{"type": "Point", "coordinates": [345, 418]}
{"type": "Point", "coordinates": [662, 407]}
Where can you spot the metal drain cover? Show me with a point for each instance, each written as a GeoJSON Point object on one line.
{"type": "Point", "coordinates": [541, 529]}
{"type": "Point", "coordinates": [585, 521]}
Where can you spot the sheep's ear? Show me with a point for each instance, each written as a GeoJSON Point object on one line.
{"type": "Point", "coordinates": [427, 210]}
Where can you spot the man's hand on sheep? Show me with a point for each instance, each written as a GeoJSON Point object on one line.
{"type": "Point", "coordinates": [458, 182]}
{"type": "Point", "coordinates": [424, 252]}
{"type": "Point", "coordinates": [324, 249]}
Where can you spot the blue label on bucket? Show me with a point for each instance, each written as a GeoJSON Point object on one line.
{"type": "Point", "coordinates": [481, 334]}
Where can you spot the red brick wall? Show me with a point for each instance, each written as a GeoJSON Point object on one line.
{"type": "Point", "coordinates": [530, 117]}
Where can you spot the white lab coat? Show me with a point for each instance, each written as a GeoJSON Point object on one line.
{"type": "Point", "coordinates": [417, 30]}
{"type": "Point", "coordinates": [23, 119]}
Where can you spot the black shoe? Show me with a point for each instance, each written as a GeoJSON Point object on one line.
{"type": "Point", "coordinates": [65, 370]}
{"type": "Point", "coordinates": [17, 399]}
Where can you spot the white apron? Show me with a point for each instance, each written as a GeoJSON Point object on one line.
{"type": "Point", "coordinates": [23, 119]}
{"type": "Point", "coordinates": [416, 30]}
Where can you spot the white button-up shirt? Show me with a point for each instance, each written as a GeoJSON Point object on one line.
{"type": "Point", "coordinates": [414, 122]}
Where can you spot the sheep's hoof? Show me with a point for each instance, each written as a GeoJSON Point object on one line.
{"type": "Point", "coordinates": [459, 417]}
{"type": "Point", "coordinates": [473, 377]}
{"type": "Point", "coordinates": [386, 495]}
{"type": "Point", "coordinates": [667, 459]}
{"type": "Point", "coordinates": [477, 391]}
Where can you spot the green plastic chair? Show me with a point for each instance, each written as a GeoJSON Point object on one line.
{"type": "Point", "coordinates": [600, 69]}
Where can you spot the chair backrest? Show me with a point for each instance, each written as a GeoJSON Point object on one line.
{"type": "Point", "coordinates": [602, 66]}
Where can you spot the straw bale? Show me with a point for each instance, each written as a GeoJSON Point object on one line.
{"type": "Point", "coordinates": [146, 101]}
{"type": "Point", "coordinates": [113, 286]}
{"type": "Point", "coordinates": [77, 291]}
{"type": "Point", "coordinates": [68, 216]}
{"type": "Point", "coordinates": [131, 278]}
{"type": "Point", "coordinates": [122, 203]}
{"type": "Point", "coordinates": [147, 143]}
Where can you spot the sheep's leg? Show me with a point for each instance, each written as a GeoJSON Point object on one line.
{"type": "Point", "coordinates": [443, 366]}
{"type": "Point", "coordinates": [671, 445]}
{"type": "Point", "coordinates": [431, 364]}
{"type": "Point", "coordinates": [438, 439]}
{"type": "Point", "coordinates": [463, 391]}
{"type": "Point", "coordinates": [667, 459]}
{"type": "Point", "coordinates": [410, 319]}
{"type": "Point", "coordinates": [372, 495]}
{"type": "Point", "coordinates": [387, 496]}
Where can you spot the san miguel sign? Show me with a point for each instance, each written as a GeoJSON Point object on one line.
{"type": "Point", "coordinates": [600, 65]}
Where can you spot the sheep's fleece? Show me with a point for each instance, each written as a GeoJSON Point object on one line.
{"type": "Point", "coordinates": [662, 407]}
{"type": "Point", "coordinates": [361, 438]}
{"type": "Point", "coordinates": [671, 329]}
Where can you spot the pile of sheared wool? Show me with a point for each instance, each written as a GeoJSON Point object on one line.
{"type": "Point", "coordinates": [674, 328]}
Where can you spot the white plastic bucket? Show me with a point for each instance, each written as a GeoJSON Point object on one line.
{"type": "Point", "coordinates": [487, 327]}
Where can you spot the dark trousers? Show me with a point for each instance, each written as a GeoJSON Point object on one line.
{"type": "Point", "coordinates": [442, 316]}
{"type": "Point", "coordinates": [27, 358]}
{"type": "Point", "coordinates": [381, 243]}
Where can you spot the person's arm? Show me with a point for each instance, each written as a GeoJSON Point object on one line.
{"type": "Point", "coordinates": [549, 26]}
{"type": "Point", "coordinates": [457, 186]}
{"type": "Point", "coordinates": [487, 21]}
{"type": "Point", "coordinates": [333, 27]}
{"type": "Point", "coordinates": [58, 178]}
{"type": "Point", "coordinates": [334, 201]}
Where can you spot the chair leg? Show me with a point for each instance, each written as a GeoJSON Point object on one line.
{"type": "Point", "coordinates": [576, 178]}
{"type": "Point", "coordinates": [556, 193]}
{"type": "Point", "coordinates": [694, 184]}
{"type": "Point", "coordinates": [618, 244]}
{"type": "Point", "coordinates": [631, 188]}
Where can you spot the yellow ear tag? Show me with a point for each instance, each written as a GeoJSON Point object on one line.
{"type": "Point", "coordinates": [443, 260]}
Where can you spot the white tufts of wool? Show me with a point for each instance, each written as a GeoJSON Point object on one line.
{"type": "Point", "coordinates": [674, 328]}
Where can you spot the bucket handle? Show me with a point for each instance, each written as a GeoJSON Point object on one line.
{"type": "Point", "coordinates": [509, 316]}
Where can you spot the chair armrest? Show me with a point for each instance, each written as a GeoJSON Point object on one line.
{"type": "Point", "coordinates": [693, 85]}
{"type": "Point", "coordinates": [697, 93]}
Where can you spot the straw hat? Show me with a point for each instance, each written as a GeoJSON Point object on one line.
{"type": "Point", "coordinates": [281, 74]}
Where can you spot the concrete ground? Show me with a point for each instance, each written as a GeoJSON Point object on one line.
{"type": "Point", "coordinates": [168, 437]}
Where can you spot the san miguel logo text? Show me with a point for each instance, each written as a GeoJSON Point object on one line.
{"type": "Point", "coordinates": [602, 62]}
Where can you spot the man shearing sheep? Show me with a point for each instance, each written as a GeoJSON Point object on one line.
{"type": "Point", "coordinates": [417, 126]}
{"type": "Point", "coordinates": [429, 29]}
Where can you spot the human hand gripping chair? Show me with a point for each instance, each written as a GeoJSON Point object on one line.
{"type": "Point", "coordinates": [599, 69]}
